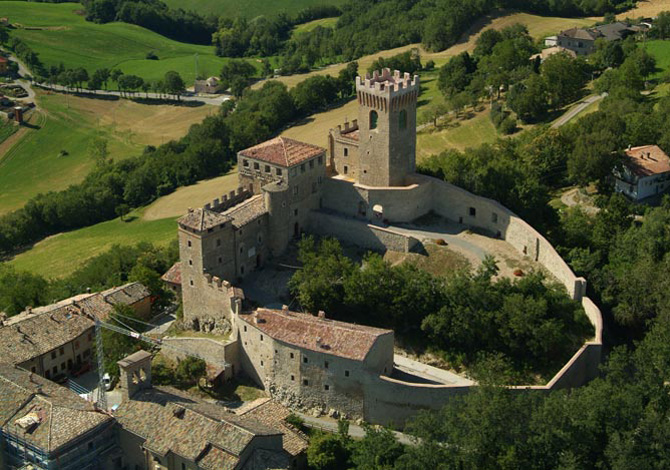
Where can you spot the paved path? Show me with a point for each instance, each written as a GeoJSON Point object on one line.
{"type": "Point", "coordinates": [430, 373]}
{"type": "Point", "coordinates": [570, 114]}
{"type": "Point", "coordinates": [355, 431]}
{"type": "Point", "coordinates": [447, 231]}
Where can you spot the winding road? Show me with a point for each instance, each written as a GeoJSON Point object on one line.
{"type": "Point", "coordinates": [574, 111]}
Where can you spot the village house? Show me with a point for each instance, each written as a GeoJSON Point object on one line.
{"type": "Point", "coordinates": [162, 428]}
{"type": "Point", "coordinates": [210, 86]}
{"type": "Point", "coordinates": [56, 340]}
{"type": "Point", "coordinates": [645, 172]}
{"type": "Point", "coordinates": [50, 427]}
{"type": "Point", "coordinates": [581, 41]}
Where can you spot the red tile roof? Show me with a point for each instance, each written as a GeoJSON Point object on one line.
{"type": "Point", "coordinates": [322, 335]}
{"type": "Point", "coordinates": [647, 160]}
{"type": "Point", "coordinates": [173, 275]}
{"type": "Point", "coordinates": [283, 151]}
{"type": "Point", "coordinates": [353, 134]}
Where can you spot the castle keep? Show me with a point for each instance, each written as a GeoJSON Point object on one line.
{"type": "Point", "coordinates": [356, 193]}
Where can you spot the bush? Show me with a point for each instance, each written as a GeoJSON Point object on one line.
{"type": "Point", "coordinates": [151, 55]}
{"type": "Point", "coordinates": [508, 126]}
{"type": "Point", "coordinates": [295, 421]}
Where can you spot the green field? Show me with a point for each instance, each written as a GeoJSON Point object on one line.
{"type": "Point", "coordinates": [35, 164]}
{"type": "Point", "coordinates": [311, 25]}
{"type": "Point", "coordinates": [62, 35]}
{"type": "Point", "coordinates": [249, 8]}
{"type": "Point", "coordinates": [7, 128]}
{"type": "Point", "coordinates": [62, 254]}
{"type": "Point", "coordinates": [661, 51]}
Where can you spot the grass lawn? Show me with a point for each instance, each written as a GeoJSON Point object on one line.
{"type": "Point", "coordinates": [62, 34]}
{"type": "Point", "coordinates": [7, 129]}
{"type": "Point", "coordinates": [661, 51]}
{"type": "Point", "coordinates": [311, 25]}
{"type": "Point", "coordinates": [62, 254]}
{"type": "Point", "coordinates": [458, 134]}
{"type": "Point", "coordinates": [196, 195]}
{"type": "Point", "coordinates": [248, 8]}
{"type": "Point", "coordinates": [437, 260]}
{"type": "Point", "coordinates": [32, 165]}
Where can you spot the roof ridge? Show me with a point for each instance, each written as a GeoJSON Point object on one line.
{"type": "Point", "coordinates": [332, 322]}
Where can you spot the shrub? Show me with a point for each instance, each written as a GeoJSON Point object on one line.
{"type": "Point", "coordinates": [151, 55]}
{"type": "Point", "coordinates": [295, 421]}
{"type": "Point", "coordinates": [508, 126]}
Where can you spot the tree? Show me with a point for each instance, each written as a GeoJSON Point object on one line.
{"type": "Point", "coordinates": [115, 74]}
{"type": "Point", "coordinates": [529, 99]}
{"type": "Point", "coordinates": [4, 35]}
{"type": "Point", "coordinates": [190, 370]}
{"type": "Point", "coordinates": [115, 345]}
{"type": "Point", "coordinates": [435, 110]}
{"type": "Point", "coordinates": [593, 157]}
{"type": "Point", "coordinates": [328, 452]}
{"type": "Point", "coordinates": [378, 450]}
{"type": "Point", "coordinates": [98, 150]}
{"type": "Point", "coordinates": [661, 27]}
{"type": "Point", "coordinates": [122, 210]}
{"type": "Point", "coordinates": [564, 78]}
{"type": "Point", "coordinates": [487, 41]}
{"type": "Point", "coordinates": [236, 70]}
{"type": "Point", "coordinates": [456, 74]}
{"type": "Point", "coordinates": [174, 84]}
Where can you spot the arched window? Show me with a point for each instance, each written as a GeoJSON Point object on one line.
{"type": "Point", "coordinates": [402, 120]}
{"type": "Point", "coordinates": [373, 119]}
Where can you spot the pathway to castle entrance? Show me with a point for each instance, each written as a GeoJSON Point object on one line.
{"type": "Point", "coordinates": [473, 246]}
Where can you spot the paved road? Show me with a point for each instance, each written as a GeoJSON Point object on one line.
{"type": "Point", "coordinates": [355, 431]}
{"type": "Point", "coordinates": [568, 116]}
{"type": "Point", "coordinates": [24, 72]}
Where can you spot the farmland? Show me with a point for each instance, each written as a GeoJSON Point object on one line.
{"type": "Point", "coordinates": [54, 152]}
{"type": "Point", "coordinates": [60, 34]}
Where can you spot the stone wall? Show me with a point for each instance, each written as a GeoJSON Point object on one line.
{"type": "Point", "coordinates": [360, 233]}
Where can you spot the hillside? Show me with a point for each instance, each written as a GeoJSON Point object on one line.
{"type": "Point", "coordinates": [249, 8]}
{"type": "Point", "coordinates": [60, 34]}
{"type": "Point", "coordinates": [34, 164]}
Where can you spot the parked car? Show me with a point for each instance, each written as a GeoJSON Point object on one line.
{"type": "Point", "coordinates": [81, 369]}
{"type": "Point", "coordinates": [107, 382]}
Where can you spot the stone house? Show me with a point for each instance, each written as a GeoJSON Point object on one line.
{"type": "Point", "coordinates": [48, 426]}
{"type": "Point", "coordinates": [311, 361]}
{"type": "Point", "coordinates": [210, 86]}
{"type": "Point", "coordinates": [57, 339]}
{"type": "Point", "coordinates": [172, 278]}
{"type": "Point", "coordinates": [645, 172]}
{"type": "Point", "coordinates": [162, 428]}
{"type": "Point", "coordinates": [581, 41]}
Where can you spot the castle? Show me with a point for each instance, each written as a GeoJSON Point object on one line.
{"type": "Point", "coordinates": [356, 191]}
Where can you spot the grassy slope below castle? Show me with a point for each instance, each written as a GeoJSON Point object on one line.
{"type": "Point", "coordinates": [59, 33]}
{"type": "Point", "coordinates": [34, 165]}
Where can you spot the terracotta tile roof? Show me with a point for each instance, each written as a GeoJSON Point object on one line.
{"type": "Point", "coordinates": [283, 151]}
{"type": "Point", "coordinates": [61, 415]}
{"type": "Point", "coordinates": [353, 134]}
{"type": "Point", "coordinates": [322, 335]}
{"type": "Point", "coordinates": [172, 421]}
{"type": "Point", "coordinates": [647, 160]}
{"type": "Point", "coordinates": [579, 33]}
{"type": "Point", "coordinates": [268, 411]}
{"type": "Point", "coordinates": [247, 211]}
{"type": "Point", "coordinates": [37, 334]}
{"type": "Point", "coordinates": [173, 275]}
{"type": "Point", "coordinates": [202, 219]}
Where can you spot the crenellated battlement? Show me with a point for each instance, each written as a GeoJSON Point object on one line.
{"type": "Point", "coordinates": [231, 199]}
{"type": "Point", "coordinates": [387, 83]}
{"type": "Point", "coordinates": [386, 91]}
{"type": "Point", "coordinates": [347, 128]}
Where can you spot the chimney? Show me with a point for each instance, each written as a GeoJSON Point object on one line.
{"type": "Point", "coordinates": [322, 314]}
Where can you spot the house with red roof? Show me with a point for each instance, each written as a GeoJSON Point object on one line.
{"type": "Point", "coordinates": [645, 172]}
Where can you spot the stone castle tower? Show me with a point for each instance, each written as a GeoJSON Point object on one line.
{"type": "Point", "coordinates": [387, 127]}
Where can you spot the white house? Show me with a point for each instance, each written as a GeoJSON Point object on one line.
{"type": "Point", "coordinates": [646, 172]}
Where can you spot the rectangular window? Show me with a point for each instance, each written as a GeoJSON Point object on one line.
{"type": "Point", "coordinates": [326, 387]}
{"type": "Point", "coordinates": [55, 370]}
{"type": "Point", "coordinates": [218, 242]}
{"type": "Point", "coordinates": [325, 364]}
{"type": "Point", "coordinates": [190, 262]}
{"type": "Point", "coordinates": [279, 172]}
{"type": "Point", "coordinates": [61, 351]}
{"type": "Point", "coordinates": [191, 281]}
{"type": "Point", "coordinates": [189, 243]}
{"type": "Point", "coordinates": [220, 260]}
{"type": "Point", "coordinates": [302, 168]}
{"type": "Point", "coordinates": [76, 344]}
{"type": "Point", "coordinates": [62, 366]}
{"type": "Point", "coordinates": [320, 159]}
{"type": "Point", "coordinates": [295, 212]}
{"type": "Point", "coordinates": [292, 356]}
{"type": "Point", "coordinates": [257, 166]}
{"type": "Point", "coordinates": [245, 163]}
{"type": "Point", "coordinates": [295, 190]}
{"type": "Point", "coordinates": [183, 466]}
{"type": "Point", "coordinates": [87, 353]}
{"type": "Point", "coordinates": [346, 373]}
{"type": "Point", "coordinates": [267, 168]}
{"type": "Point", "coordinates": [473, 212]}
{"type": "Point", "coordinates": [311, 164]}
{"type": "Point", "coordinates": [245, 327]}
{"type": "Point", "coordinates": [53, 354]}
{"type": "Point", "coordinates": [346, 152]}
{"type": "Point", "coordinates": [261, 337]}
{"type": "Point", "coordinates": [305, 360]}
{"type": "Point", "coordinates": [305, 382]}
{"type": "Point", "coordinates": [262, 363]}
{"type": "Point", "coordinates": [293, 378]}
